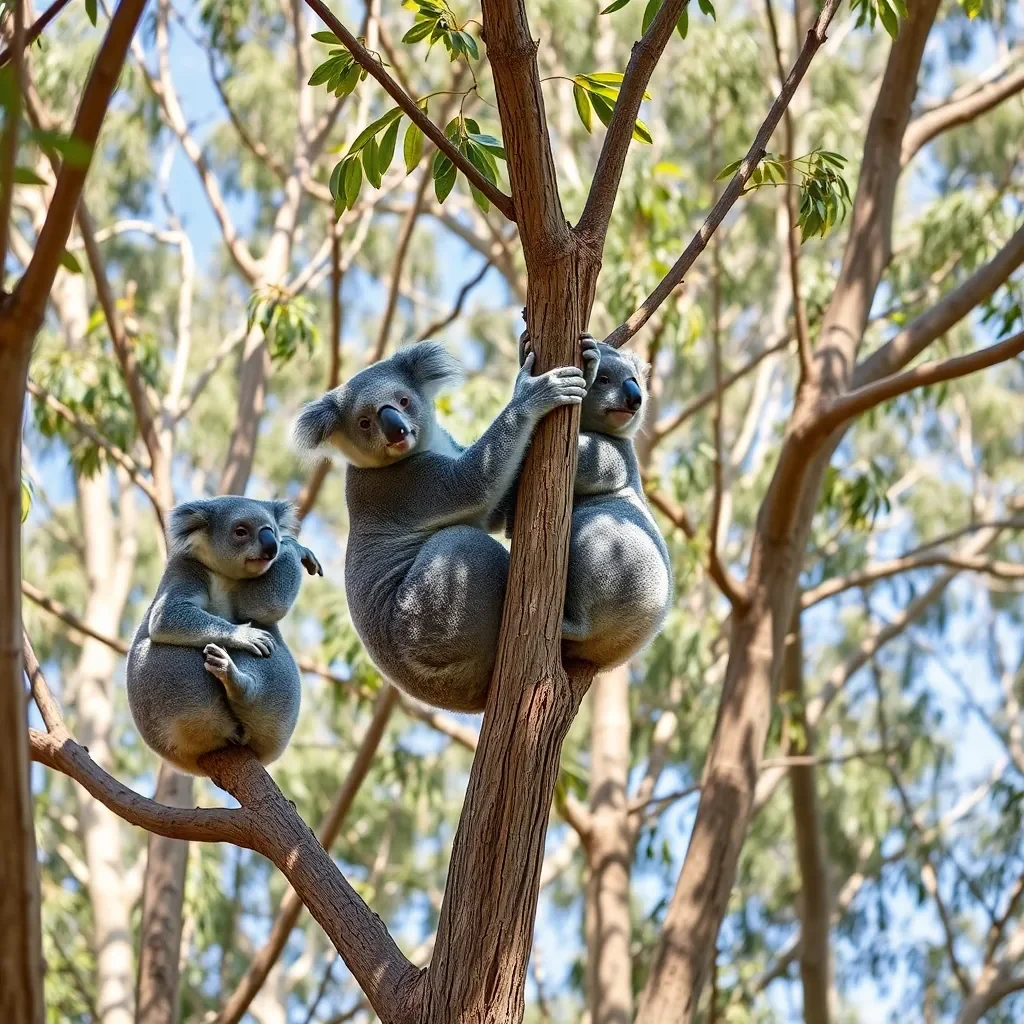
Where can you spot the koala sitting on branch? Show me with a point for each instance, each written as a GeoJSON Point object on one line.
{"type": "Point", "coordinates": [208, 667]}
{"type": "Point", "coordinates": [425, 583]}
{"type": "Point", "coordinates": [619, 586]}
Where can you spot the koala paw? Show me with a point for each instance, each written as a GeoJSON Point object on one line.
{"type": "Point", "coordinates": [254, 640]}
{"type": "Point", "coordinates": [218, 663]}
{"type": "Point", "coordinates": [311, 563]}
{"type": "Point", "coordinates": [565, 385]}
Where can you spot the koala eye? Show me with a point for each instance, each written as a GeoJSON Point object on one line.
{"type": "Point", "coordinates": [603, 379]}
{"type": "Point", "coordinates": [403, 402]}
{"type": "Point", "coordinates": [364, 423]}
{"type": "Point", "coordinates": [240, 532]}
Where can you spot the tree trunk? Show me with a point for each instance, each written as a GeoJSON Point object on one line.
{"type": "Point", "coordinates": [21, 953]}
{"type": "Point", "coordinates": [815, 954]}
{"type": "Point", "coordinates": [609, 853]}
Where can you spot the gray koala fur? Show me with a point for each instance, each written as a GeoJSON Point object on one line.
{"type": "Point", "coordinates": [208, 667]}
{"type": "Point", "coordinates": [619, 586]}
{"type": "Point", "coordinates": [425, 583]}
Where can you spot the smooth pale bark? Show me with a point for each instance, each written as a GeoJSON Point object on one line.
{"type": "Point", "coordinates": [609, 850]}
{"type": "Point", "coordinates": [683, 960]}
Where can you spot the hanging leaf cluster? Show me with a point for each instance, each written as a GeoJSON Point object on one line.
{"type": "Point", "coordinates": [339, 72]}
{"type": "Point", "coordinates": [286, 322]}
{"type": "Point", "coordinates": [482, 151]}
{"type": "Point", "coordinates": [858, 498]}
{"type": "Point", "coordinates": [437, 21]}
{"type": "Point", "coordinates": [888, 12]}
{"type": "Point", "coordinates": [599, 92]}
{"type": "Point", "coordinates": [824, 195]}
{"type": "Point", "coordinates": [653, 6]}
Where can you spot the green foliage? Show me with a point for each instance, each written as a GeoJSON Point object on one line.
{"type": "Point", "coordinates": [600, 91]}
{"type": "Point", "coordinates": [651, 12]}
{"type": "Point", "coordinates": [26, 497]}
{"type": "Point", "coordinates": [287, 322]}
{"type": "Point", "coordinates": [437, 21]}
{"type": "Point", "coordinates": [339, 73]}
{"type": "Point", "coordinates": [824, 195]}
{"type": "Point", "coordinates": [858, 495]}
{"type": "Point", "coordinates": [888, 12]}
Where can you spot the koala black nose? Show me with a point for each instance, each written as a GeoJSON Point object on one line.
{"type": "Point", "coordinates": [633, 395]}
{"type": "Point", "coordinates": [268, 542]}
{"type": "Point", "coordinates": [393, 423]}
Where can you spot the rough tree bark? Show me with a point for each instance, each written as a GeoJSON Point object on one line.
{"type": "Point", "coordinates": [21, 315]}
{"type": "Point", "coordinates": [609, 848]}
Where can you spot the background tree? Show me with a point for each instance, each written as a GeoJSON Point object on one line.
{"type": "Point", "coordinates": [869, 574]}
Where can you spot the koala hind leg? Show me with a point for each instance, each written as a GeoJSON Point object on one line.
{"type": "Point", "coordinates": [239, 685]}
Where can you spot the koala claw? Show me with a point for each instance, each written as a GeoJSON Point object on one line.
{"type": "Point", "coordinates": [591, 358]}
{"type": "Point", "coordinates": [254, 640]}
{"type": "Point", "coordinates": [218, 662]}
{"type": "Point", "coordinates": [311, 563]}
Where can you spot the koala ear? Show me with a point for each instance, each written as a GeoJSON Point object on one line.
{"type": "Point", "coordinates": [287, 516]}
{"type": "Point", "coordinates": [185, 520]}
{"type": "Point", "coordinates": [315, 424]}
{"type": "Point", "coordinates": [429, 366]}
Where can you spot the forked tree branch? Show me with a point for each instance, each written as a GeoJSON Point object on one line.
{"type": "Point", "coordinates": [958, 110]}
{"type": "Point", "coordinates": [34, 288]}
{"type": "Point", "coordinates": [732, 192]}
{"type": "Point", "coordinates": [593, 224]}
{"type": "Point", "coordinates": [854, 403]}
{"type": "Point", "coordinates": [373, 66]}
{"type": "Point", "coordinates": [267, 823]}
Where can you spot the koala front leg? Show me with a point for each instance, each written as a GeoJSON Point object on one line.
{"type": "Point", "coordinates": [184, 624]}
{"type": "Point", "coordinates": [591, 354]}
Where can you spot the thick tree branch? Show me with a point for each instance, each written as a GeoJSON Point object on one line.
{"type": "Point", "coordinates": [963, 106]}
{"type": "Point", "coordinates": [291, 904]}
{"type": "Point", "coordinates": [593, 224]}
{"type": "Point", "coordinates": [732, 192]}
{"type": "Point", "coordinates": [948, 311]}
{"type": "Point", "coordinates": [34, 287]}
{"type": "Point", "coordinates": [854, 403]}
{"type": "Point", "coordinates": [408, 105]}
{"type": "Point", "coordinates": [267, 823]}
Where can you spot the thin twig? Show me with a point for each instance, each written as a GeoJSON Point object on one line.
{"type": "Point", "coordinates": [36, 28]}
{"type": "Point", "coordinates": [815, 37]}
{"type": "Point", "coordinates": [374, 67]}
{"type": "Point", "coordinates": [456, 310]}
{"type": "Point", "coordinates": [12, 123]}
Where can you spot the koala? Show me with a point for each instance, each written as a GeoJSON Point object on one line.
{"type": "Point", "coordinates": [424, 580]}
{"type": "Point", "coordinates": [208, 667]}
{"type": "Point", "coordinates": [619, 586]}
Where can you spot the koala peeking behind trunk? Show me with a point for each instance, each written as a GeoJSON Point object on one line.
{"type": "Point", "coordinates": [208, 667]}
{"type": "Point", "coordinates": [424, 581]}
{"type": "Point", "coordinates": [619, 586]}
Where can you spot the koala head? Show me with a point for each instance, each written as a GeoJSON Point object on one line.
{"type": "Point", "coordinates": [384, 413]}
{"type": "Point", "coordinates": [232, 536]}
{"type": "Point", "coordinates": [615, 401]}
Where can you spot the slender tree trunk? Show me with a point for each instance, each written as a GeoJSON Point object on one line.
{"type": "Point", "coordinates": [702, 891]}
{"type": "Point", "coordinates": [609, 853]}
{"type": "Point", "coordinates": [21, 953]}
{"type": "Point", "coordinates": [815, 954]}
